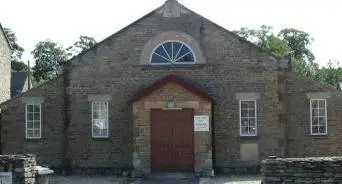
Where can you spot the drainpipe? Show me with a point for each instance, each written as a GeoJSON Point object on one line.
{"type": "Point", "coordinates": [28, 75]}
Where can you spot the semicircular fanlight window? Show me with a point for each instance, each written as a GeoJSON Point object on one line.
{"type": "Point", "coordinates": [172, 52]}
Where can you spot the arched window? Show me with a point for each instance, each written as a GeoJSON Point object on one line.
{"type": "Point", "coordinates": [172, 52]}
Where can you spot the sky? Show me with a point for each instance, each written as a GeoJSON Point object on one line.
{"type": "Point", "coordinates": [64, 21]}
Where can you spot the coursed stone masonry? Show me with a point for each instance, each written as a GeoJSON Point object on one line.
{"type": "Point", "coordinates": [302, 170]}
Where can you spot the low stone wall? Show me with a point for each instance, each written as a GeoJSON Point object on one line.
{"type": "Point", "coordinates": [21, 166]}
{"type": "Point", "coordinates": [302, 170]}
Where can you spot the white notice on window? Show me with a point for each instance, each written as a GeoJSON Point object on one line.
{"type": "Point", "coordinates": [6, 177]}
{"type": "Point", "coordinates": [201, 123]}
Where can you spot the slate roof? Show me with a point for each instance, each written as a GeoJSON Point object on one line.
{"type": "Point", "coordinates": [18, 80]}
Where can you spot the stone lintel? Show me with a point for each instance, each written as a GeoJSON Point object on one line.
{"type": "Point", "coordinates": [246, 96]}
{"type": "Point", "coordinates": [33, 100]}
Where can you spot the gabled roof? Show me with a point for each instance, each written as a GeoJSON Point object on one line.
{"type": "Point", "coordinates": [166, 80]}
{"type": "Point", "coordinates": [18, 81]}
{"type": "Point", "coordinates": [6, 38]}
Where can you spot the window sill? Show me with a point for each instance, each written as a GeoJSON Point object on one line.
{"type": "Point", "coordinates": [319, 135]}
{"type": "Point", "coordinates": [33, 139]}
{"type": "Point", "coordinates": [247, 137]}
{"type": "Point", "coordinates": [151, 66]}
{"type": "Point", "coordinates": [100, 138]}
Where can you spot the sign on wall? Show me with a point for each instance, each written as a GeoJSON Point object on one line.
{"type": "Point", "coordinates": [201, 123]}
{"type": "Point", "coordinates": [5, 177]}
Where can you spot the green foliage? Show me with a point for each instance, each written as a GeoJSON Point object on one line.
{"type": "Point", "coordinates": [49, 57]}
{"type": "Point", "coordinates": [331, 74]}
{"type": "Point", "coordinates": [84, 43]}
{"type": "Point", "coordinates": [17, 49]}
{"type": "Point", "coordinates": [298, 41]}
{"type": "Point", "coordinates": [294, 42]}
{"type": "Point", "coordinates": [18, 66]}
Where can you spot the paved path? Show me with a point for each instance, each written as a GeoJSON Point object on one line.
{"type": "Point", "coordinates": [116, 180]}
{"type": "Point", "coordinates": [167, 181]}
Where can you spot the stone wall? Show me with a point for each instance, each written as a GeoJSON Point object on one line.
{"type": "Point", "coordinates": [302, 170]}
{"type": "Point", "coordinates": [22, 167]}
{"type": "Point", "coordinates": [5, 68]}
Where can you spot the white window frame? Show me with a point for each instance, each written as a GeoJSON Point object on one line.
{"type": "Point", "coordinates": [173, 63]}
{"type": "Point", "coordinates": [40, 121]}
{"type": "Point", "coordinates": [256, 118]}
{"type": "Point", "coordinates": [92, 119]}
{"type": "Point", "coordinates": [325, 116]}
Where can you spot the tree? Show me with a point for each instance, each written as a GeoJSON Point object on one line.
{"type": "Point", "coordinates": [298, 41]}
{"type": "Point", "coordinates": [16, 64]}
{"type": "Point", "coordinates": [49, 57]}
{"type": "Point", "coordinates": [264, 38]}
{"type": "Point", "coordinates": [287, 41]}
{"type": "Point", "coordinates": [84, 43]}
{"type": "Point", "coordinates": [330, 74]}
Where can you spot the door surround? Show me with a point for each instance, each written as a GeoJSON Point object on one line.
{"type": "Point", "coordinates": [159, 99]}
{"type": "Point", "coordinates": [172, 140]}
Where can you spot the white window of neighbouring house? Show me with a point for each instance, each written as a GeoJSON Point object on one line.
{"type": "Point", "coordinates": [318, 116]}
{"type": "Point", "coordinates": [33, 121]}
{"type": "Point", "coordinates": [172, 52]}
{"type": "Point", "coordinates": [100, 119]}
{"type": "Point", "coordinates": [248, 118]}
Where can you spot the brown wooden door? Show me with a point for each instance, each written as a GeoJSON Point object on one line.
{"type": "Point", "coordinates": [172, 140]}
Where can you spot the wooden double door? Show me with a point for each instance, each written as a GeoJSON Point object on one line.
{"type": "Point", "coordinates": [172, 140]}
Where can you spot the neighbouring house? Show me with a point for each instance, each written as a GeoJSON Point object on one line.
{"type": "Point", "coordinates": [5, 66]}
{"type": "Point", "coordinates": [173, 91]}
{"type": "Point", "coordinates": [19, 83]}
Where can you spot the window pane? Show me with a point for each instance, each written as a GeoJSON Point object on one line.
{"type": "Point", "coordinates": [244, 105]}
{"type": "Point", "coordinates": [36, 133]}
{"type": "Point", "coordinates": [176, 49]}
{"type": "Point", "coordinates": [314, 112]}
{"type": "Point", "coordinates": [244, 121]}
{"type": "Point", "coordinates": [321, 121]}
{"type": "Point", "coordinates": [244, 113]}
{"type": "Point", "coordinates": [29, 124]}
{"type": "Point", "coordinates": [185, 50]}
{"type": "Point", "coordinates": [96, 115]}
{"type": "Point", "coordinates": [321, 103]}
{"type": "Point", "coordinates": [29, 133]}
{"type": "Point", "coordinates": [244, 130]}
{"type": "Point", "coordinates": [168, 48]}
{"type": "Point", "coordinates": [36, 116]}
{"type": "Point", "coordinates": [252, 122]}
{"type": "Point", "coordinates": [322, 112]}
{"type": "Point", "coordinates": [315, 129]}
{"type": "Point", "coordinates": [158, 59]}
{"type": "Point", "coordinates": [29, 108]}
{"type": "Point", "coordinates": [314, 121]}
{"type": "Point", "coordinates": [36, 124]}
{"type": "Point", "coordinates": [29, 117]}
{"type": "Point", "coordinates": [187, 58]}
{"type": "Point", "coordinates": [314, 104]}
{"type": "Point", "coordinates": [96, 132]}
{"type": "Point", "coordinates": [36, 108]}
{"type": "Point", "coordinates": [251, 113]}
{"type": "Point", "coordinates": [161, 52]}
{"type": "Point", "coordinates": [322, 129]}
{"type": "Point", "coordinates": [252, 130]}
{"type": "Point", "coordinates": [251, 104]}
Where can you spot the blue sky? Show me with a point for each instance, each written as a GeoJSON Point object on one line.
{"type": "Point", "coordinates": [64, 20]}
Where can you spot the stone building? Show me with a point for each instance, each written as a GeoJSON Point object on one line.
{"type": "Point", "coordinates": [173, 91]}
{"type": "Point", "coordinates": [5, 66]}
